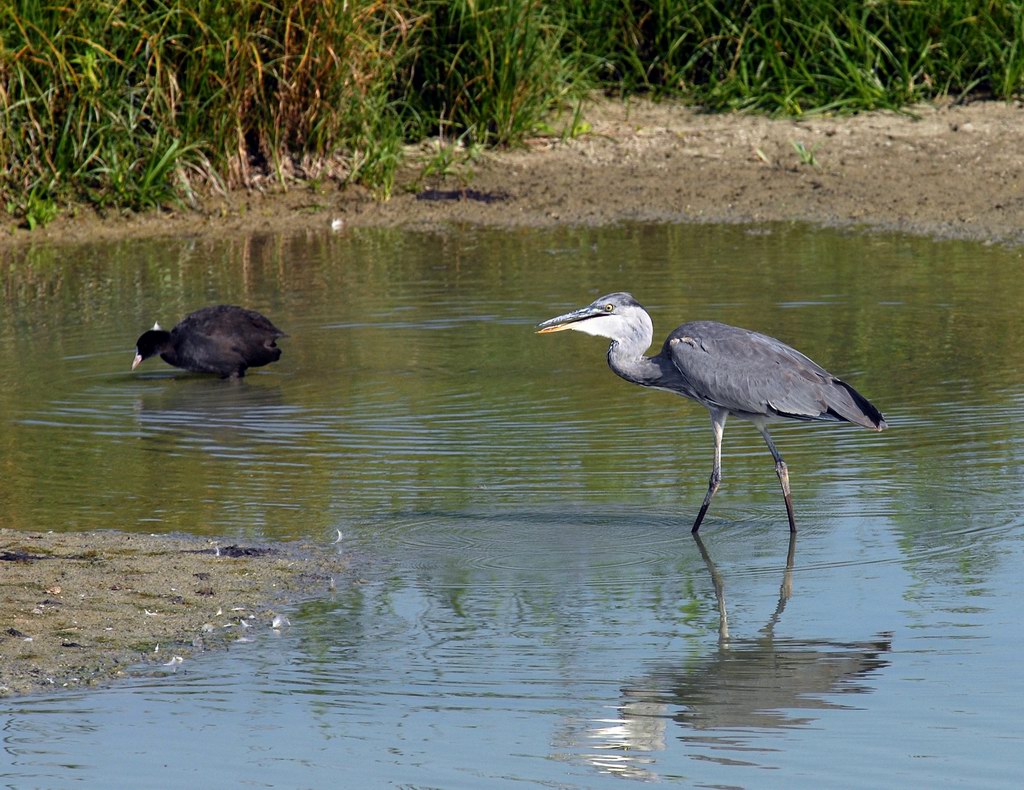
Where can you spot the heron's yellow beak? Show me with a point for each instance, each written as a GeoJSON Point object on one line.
{"type": "Point", "coordinates": [556, 328]}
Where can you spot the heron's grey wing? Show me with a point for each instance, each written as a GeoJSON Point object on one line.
{"type": "Point", "coordinates": [753, 374]}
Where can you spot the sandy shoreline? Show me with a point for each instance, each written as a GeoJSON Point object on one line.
{"type": "Point", "coordinates": [78, 608]}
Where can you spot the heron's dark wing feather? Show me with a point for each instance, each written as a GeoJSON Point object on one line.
{"type": "Point", "coordinates": [756, 375]}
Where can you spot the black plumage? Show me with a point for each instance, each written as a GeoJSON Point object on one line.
{"type": "Point", "coordinates": [223, 339]}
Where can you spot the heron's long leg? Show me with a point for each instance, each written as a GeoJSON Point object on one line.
{"type": "Point", "coordinates": [718, 428]}
{"type": "Point", "coordinates": [782, 471]}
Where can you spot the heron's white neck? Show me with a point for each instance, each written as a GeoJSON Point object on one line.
{"type": "Point", "coordinates": [626, 353]}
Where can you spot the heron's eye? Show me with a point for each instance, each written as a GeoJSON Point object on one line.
{"type": "Point", "coordinates": [609, 307]}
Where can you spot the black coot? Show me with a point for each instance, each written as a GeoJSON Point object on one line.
{"type": "Point", "coordinates": [223, 339]}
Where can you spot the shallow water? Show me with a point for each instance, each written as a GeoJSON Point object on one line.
{"type": "Point", "coordinates": [530, 609]}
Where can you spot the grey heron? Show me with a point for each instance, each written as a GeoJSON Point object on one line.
{"type": "Point", "coordinates": [223, 339]}
{"type": "Point", "coordinates": [730, 371]}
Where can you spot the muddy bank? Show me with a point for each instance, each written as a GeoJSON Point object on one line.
{"type": "Point", "coordinates": [940, 170]}
{"type": "Point", "coordinates": [79, 609]}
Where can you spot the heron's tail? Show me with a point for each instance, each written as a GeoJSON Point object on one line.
{"type": "Point", "coordinates": [845, 403]}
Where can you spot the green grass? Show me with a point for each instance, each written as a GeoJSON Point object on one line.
{"type": "Point", "coordinates": [490, 68]}
{"type": "Point", "coordinates": [128, 103]}
{"type": "Point", "coordinates": [137, 104]}
{"type": "Point", "coordinates": [806, 156]}
{"type": "Point", "coordinates": [799, 56]}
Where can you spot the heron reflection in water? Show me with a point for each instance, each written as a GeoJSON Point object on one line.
{"type": "Point", "coordinates": [742, 686]}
